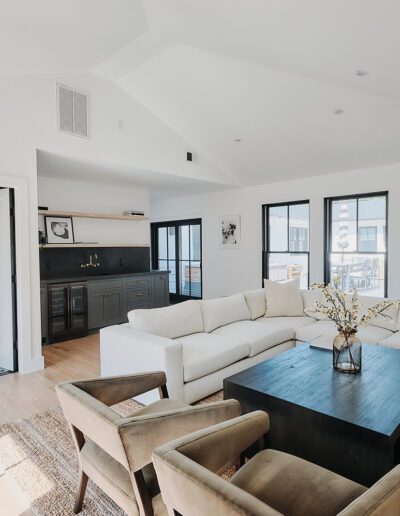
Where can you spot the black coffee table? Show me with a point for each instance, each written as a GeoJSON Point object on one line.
{"type": "Point", "coordinates": [349, 424]}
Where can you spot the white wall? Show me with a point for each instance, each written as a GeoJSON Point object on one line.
{"type": "Point", "coordinates": [28, 122]}
{"type": "Point", "coordinates": [226, 271]}
{"type": "Point", "coordinates": [69, 195]}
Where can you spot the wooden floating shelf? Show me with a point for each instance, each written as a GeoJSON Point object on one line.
{"type": "Point", "coordinates": [59, 246]}
{"type": "Point", "coordinates": [87, 215]}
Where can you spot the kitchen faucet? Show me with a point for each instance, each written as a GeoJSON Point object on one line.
{"type": "Point", "coordinates": [93, 262]}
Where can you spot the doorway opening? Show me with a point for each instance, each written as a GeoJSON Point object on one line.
{"type": "Point", "coordinates": [8, 292]}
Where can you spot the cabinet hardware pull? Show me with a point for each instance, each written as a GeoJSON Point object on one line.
{"type": "Point", "coordinates": [139, 282]}
{"type": "Point", "coordinates": [139, 295]}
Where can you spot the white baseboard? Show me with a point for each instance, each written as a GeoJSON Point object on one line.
{"type": "Point", "coordinates": [34, 364]}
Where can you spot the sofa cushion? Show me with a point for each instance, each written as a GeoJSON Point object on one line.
{"type": "Point", "coordinates": [309, 299]}
{"type": "Point", "coordinates": [283, 298]}
{"type": "Point", "coordinates": [224, 310]}
{"type": "Point", "coordinates": [256, 303]}
{"type": "Point", "coordinates": [171, 321]}
{"type": "Point", "coordinates": [325, 332]}
{"type": "Point", "coordinates": [291, 485]}
{"type": "Point", "coordinates": [205, 353]}
{"type": "Point", "coordinates": [380, 321]}
{"type": "Point", "coordinates": [391, 342]}
{"type": "Point", "coordinates": [258, 337]}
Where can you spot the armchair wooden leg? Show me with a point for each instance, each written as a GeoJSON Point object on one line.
{"type": "Point", "coordinates": [83, 480]}
{"type": "Point", "coordinates": [142, 495]}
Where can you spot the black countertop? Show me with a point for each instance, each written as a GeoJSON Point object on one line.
{"type": "Point", "coordinates": [63, 278]}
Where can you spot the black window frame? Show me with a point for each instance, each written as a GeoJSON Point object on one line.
{"type": "Point", "coordinates": [328, 201]}
{"type": "Point", "coordinates": [266, 236]}
{"type": "Point", "coordinates": [177, 297]}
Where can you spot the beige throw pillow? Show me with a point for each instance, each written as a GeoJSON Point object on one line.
{"type": "Point", "coordinates": [283, 299]}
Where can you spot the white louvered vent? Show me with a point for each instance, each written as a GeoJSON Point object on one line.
{"type": "Point", "coordinates": [72, 111]}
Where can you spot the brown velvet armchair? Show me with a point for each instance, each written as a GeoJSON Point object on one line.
{"type": "Point", "coordinates": [271, 483]}
{"type": "Point", "coordinates": [115, 451]}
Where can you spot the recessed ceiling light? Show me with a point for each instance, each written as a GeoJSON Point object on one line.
{"type": "Point", "coordinates": [338, 111]}
{"type": "Point", "coordinates": [361, 73]}
{"type": "Point", "coordinates": [237, 140]}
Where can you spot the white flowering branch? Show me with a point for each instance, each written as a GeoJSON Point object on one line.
{"type": "Point", "coordinates": [345, 311]}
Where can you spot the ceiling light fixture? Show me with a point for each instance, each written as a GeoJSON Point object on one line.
{"type": "Point", "coordinates": [361, 73]}
{"type": "Point", "coordinates": [338, 111]}
{"type": "Point", "coordinates": [237, 140]}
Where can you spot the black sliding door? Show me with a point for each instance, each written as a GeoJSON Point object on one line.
{"type": "Point", "coordinates": [176, 246]}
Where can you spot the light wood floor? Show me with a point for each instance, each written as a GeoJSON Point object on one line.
{"type": "Point", "coordinates": [23, 395]}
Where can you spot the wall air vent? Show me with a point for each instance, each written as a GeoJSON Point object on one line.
{"type": "Point", "coordinates": [72, 110]}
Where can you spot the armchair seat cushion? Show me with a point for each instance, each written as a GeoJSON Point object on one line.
{"type": "Point", "coordinates": [259, 337]}
{"type": "Point", "coordinates": [205, 353]}
{"type": "Point", "coordinates": [160, 406]}
{"type": "Point", "coordinates": [291, 485]}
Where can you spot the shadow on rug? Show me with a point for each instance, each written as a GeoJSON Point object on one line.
{"type": "Point", "coordinates": [39, 464]}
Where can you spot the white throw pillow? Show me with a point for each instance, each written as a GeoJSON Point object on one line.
{"type": "Point", "coordinates": [367, 302]}
{"type": "Point", "coordinates": [255, 300]}
{"type": "Point", "coordinates": [283, 299]}
{"type": "Point", "coordinates": [224, 310]}
{"type": "Point", "coordinates": [171, 322]}
{"type": "Point", "coordinates": [309, 299]}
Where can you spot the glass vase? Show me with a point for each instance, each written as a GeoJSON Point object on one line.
{"type": "Point", "coordinates": [347, 352]}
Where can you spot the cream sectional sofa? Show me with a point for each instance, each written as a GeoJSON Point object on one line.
{"type": "Point", "coordinates": [199, 343]}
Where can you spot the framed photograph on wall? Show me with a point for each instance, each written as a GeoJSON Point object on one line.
{"type": "Point", "coordinates": [230, 231]}
{"type": "Point", "coordinates": [59, 230]}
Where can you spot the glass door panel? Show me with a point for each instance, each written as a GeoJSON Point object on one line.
{"type": "Point", "coordinates": [177, 248]}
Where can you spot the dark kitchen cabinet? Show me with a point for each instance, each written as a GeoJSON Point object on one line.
{"type": "Point", "coordinates": [106, 308]}
{"type": "Point", "coordinates": [161, 290]}
{"type": "Point", "coordinates": [70, 309]}
{"type": "Point", "coordinates": [67, 311]}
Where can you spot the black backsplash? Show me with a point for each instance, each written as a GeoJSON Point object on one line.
{"type": "Point", "coordinates": [113, 260]}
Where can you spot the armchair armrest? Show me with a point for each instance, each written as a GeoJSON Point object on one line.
{"type": "Point", "coordinates": [114, 389]}
{"type": "Point", "coordinates": [152, 430]}
{"type": "Point", "coordinates": [124, 350]}
{"type": "Point", "coordinates": [382, 499]}
{"type": "Point", "coordinates": [230, 438]}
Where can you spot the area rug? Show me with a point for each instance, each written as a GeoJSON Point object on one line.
{"type": "Point", "coordinates": [39, 465]}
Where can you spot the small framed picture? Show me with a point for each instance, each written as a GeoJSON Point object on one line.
{"type": "Point", "coordinates": [230, 231]}
{"type": "Point", "coordinates": [59, 230]}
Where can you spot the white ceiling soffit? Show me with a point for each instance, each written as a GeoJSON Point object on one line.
{"type": "Point", "coordinates": [160, 184]}
{"type": "Point", "coordinates": [48, 36]}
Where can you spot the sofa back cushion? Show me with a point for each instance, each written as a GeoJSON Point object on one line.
{"type": "Point", "coordinates": [171, 321]}
{"type": "Point", "coordinates": [388, 323]}
{"type": "Point", "coordinates": [283, 298]}
{"type": "Point", "coordinates": [256, 304]}
{"type": "Point", "coordinates": [309, 299]}
{"type": "Point", "coordinates": [224, 310]}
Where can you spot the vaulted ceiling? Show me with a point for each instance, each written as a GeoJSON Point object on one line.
{"type": "Point", "coordinates": [267, 89]}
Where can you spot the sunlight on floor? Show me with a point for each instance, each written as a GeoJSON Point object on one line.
{"type": "Point", "coordinates": [21, 481]}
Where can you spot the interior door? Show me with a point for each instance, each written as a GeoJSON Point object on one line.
{"type": "Point", "coordinates": [8, 351]}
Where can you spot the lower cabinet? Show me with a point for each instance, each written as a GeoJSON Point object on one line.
{"type": "Point", "coordinates": [68, 309]}
{"type": "Point", "coordinates": [106, 308]}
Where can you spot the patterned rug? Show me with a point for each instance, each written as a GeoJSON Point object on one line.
{"type": "Point", "coordinates": [39, 465]}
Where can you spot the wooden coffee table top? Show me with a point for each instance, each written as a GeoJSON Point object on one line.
{"type": "Point", "coordinates": [304, 376]}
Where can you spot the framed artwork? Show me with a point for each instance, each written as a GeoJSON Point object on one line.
{"type": "Point", "coordinates": [59, 230]}
{"type": "Point", "coordinates": [230, 231]}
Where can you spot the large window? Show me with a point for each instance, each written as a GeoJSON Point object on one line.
{"type": "Point", "coordinates": [176, 246]}
{"type": "Point", "coordinates": [286, 241]}
{"type": "Point", "coordinates": [356, 236]}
